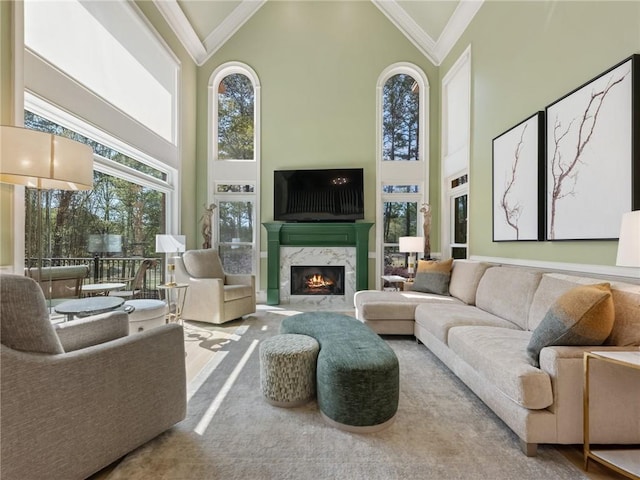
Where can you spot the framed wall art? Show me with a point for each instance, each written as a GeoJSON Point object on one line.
{"type": "Point", "coordinates": [593, 156]}
{"type": "Point", "coordinates": [518, 181]}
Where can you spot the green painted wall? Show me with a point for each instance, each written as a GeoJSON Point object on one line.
{"type": "Point", "coordinates": [525, 55]}
{"type": "Point", "coordinates": [318, 64]}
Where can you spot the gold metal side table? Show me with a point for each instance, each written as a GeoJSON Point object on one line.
{"type": "Point", "coordinates": [625, 461]}
{"type": "Point", "coordinates": [174, 295]}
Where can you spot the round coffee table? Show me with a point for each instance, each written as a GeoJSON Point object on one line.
{"type": "Point", "coordinates": [84, 307]}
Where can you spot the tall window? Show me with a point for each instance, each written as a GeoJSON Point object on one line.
{"type": "Point", "coordinates": [120, 216]}
{"type": "Point", "coordinates": [402, 165]}
{"type": "Point", "coordinates": [456, 127]}
{"type": "Point", "coordinates": [401, 118]}
{"type": "Point", "coordinates": [235, 118]}
{"type": "Point", "coordinates": [234, 165]}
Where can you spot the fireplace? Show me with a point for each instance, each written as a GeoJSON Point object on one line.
{"type": "Point", "coordinates": [317, 280]}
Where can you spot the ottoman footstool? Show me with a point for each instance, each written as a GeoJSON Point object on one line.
{"type": "Point", "coordinates": [147, 314]}
{"type": "Point", "coordinates": [288, 369]}
{"type": "Point", "coordinates": [358, 376]}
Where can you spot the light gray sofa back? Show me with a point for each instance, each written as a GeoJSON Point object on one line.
{"type": "Point", "coordinates": [465, 277]}
{"type": "Point", "coordinates": [508, 292]}
{"type": "Point", "coordinates": [626, 301]}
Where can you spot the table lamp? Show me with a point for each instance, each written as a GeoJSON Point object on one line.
{"type": "Point", "coordinates": [411, 245]}
{"type": "Point", "coordinates": [629, 240]}
{"type": "Point", "coordinates": [170, 244]}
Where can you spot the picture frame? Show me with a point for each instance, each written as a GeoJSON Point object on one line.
{"type": "Point", "coordinates": [593, 156]}
{"type": "Point", "coordinates": [518, 181]}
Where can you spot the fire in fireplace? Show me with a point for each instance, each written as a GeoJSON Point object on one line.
{"type": "Point", "coordinates": [317, 280]}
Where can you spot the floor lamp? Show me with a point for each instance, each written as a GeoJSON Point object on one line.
{"type": "Point", "coordinates": [170, 244]}
{"type": "Point", "coordinates": [43, 161]}
{"type": "Point", "coordinates": [411, 245]}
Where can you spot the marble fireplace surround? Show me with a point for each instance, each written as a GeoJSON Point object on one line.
{"type": "Point", "coordinates": [319, 242]}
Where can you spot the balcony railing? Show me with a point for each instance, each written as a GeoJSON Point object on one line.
{"type": "Point", "coordinates": [114, 269]}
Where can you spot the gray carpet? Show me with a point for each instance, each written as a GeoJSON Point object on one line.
{"type": "Point", "coordinates": [442, 431]}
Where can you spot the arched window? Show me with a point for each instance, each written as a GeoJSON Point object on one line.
{"type": "Point", "coordinates": [401, 118]}
{"type": "Point", "coordinates": [234, 165]}
{"type": "Point", "coordinates": [235, 118]}
{"type": "Point", "coordinates": [403, 173]}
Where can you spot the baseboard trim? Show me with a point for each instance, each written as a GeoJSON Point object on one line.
{"type": "Point", "coordinates": [628, 273]}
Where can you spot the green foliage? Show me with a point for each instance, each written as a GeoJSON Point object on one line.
{"type": "Point", "coordinates": [235, 118]}
{"type": "Point", "coordinates": [400, 118]}
{"type": "Point", "coordinates": [114, 206]}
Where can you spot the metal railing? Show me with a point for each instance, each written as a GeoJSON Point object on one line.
{"type": "Point", "coordinates": [113, 269]}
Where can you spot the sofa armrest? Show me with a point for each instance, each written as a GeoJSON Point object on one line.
{"type": "Point", "coordinates": [82, 410]}
{"type": "Point", "coordinates": [85, 332]}
{"type": "Point", "coordinates": [565, 366]}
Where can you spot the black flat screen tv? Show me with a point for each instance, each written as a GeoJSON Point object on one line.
{"type": "Point", "coordinates": [326, 195]}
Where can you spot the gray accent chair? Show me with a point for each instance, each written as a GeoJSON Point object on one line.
{"type": "Point", "coordinates": [213, 296]}
{"type": "Point", "coordinates": [79, 395]}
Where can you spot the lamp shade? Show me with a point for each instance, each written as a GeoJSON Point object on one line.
{"type": "Point", "coordinates": [170, 243]}
{"type": "Point", "coordinates": [629, 241]}
{"type": "Point", "coordinates": [43, 160]}
{"type": "Point", "coordinates": [411, 244]}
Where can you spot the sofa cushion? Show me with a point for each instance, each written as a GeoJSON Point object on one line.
{"type": "Point", "coordinates": [499, 355]}
{"type": "Point", "coordinates": [507, 292]}
{"type": "Point", "coordinates": [583, 315]}
{"type": "Point", "coordinates": [626, 327]}
{"type": "Point", "coordinates": [385, 305]}
{"type": "Point", "coordinates": [465, 277]}
{"type": "Point", "coordinates": [437, 319]}
{"type": "Point", "coordinates": [433, 276]}
{"type": "Point", "coordinates": [204, 263]}
{"type": "Point", "coordinates": [25, 321]}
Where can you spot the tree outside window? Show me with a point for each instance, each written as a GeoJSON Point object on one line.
{"type": "Point", "coordinates": [115, 206]}
{"type": "Point", "coordinates": [235, 118]}
{"type": "Point", "coordinates": [400, 118]}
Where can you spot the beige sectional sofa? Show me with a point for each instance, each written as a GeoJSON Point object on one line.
{"type": "Point", "coordinates": [481, 332]}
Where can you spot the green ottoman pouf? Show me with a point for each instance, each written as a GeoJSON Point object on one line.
{"type": "Point", "coordinates": [357, 375]}
{"type": "Point", "coordinates": [288, 369]}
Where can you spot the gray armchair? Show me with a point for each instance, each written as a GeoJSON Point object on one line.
{"type": "Point", "coordinates": [80, 395]}
{"type": "Point", "coordinates": [213, 296]}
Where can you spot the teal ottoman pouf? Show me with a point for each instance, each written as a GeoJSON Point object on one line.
{"type": "Point", "coordinates": [357, 374]}
{"type": "Point", "coordinates": [288, 369]}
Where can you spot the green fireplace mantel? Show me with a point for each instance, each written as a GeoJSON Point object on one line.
{"type": "Point", "coordinates": [315, 235]}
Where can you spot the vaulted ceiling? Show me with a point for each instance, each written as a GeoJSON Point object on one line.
{"type": "Point", "coordinates": [433, 26]}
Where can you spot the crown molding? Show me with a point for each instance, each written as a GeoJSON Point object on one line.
{"type": "Point", "coordinates": [238, 17]}
{"type": "Point", "coordinates": [457, 24]}
{"type": "Point", "coordinates": [181, 26]}
{"type": "Point", "coordinates": [436, 51]}
{"type": "Point", "coordinates": [407, 25]}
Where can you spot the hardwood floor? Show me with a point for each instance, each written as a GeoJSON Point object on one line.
{"type": "Point", "coordinates": [202, 342]}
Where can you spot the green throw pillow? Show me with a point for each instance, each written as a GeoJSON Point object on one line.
{"type": "Point", "coordinates": [433, 276]}
{"type": "Point", "coordinates": [583, 315]}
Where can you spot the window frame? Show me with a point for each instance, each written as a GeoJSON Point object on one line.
{"type": "Point", "coordinates": [400, 172]}
{"type": "Point", "coordinates": [234, 171]}
{"type": "Point", "coordinates": [169, 187]}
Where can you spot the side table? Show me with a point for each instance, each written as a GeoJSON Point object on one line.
{"type": "Point", "coordinates": [174, 295]}
{"type": "Point", "coordinates": [84, 307]}
{"type": "Point", "coordinates": [625, 461]}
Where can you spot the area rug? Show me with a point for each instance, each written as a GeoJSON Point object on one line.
{"type": "Point", "coordinates": [442, 430]}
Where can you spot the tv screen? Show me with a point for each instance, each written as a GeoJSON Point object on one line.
{"type": "Point", "coordinates": [327, 195]}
